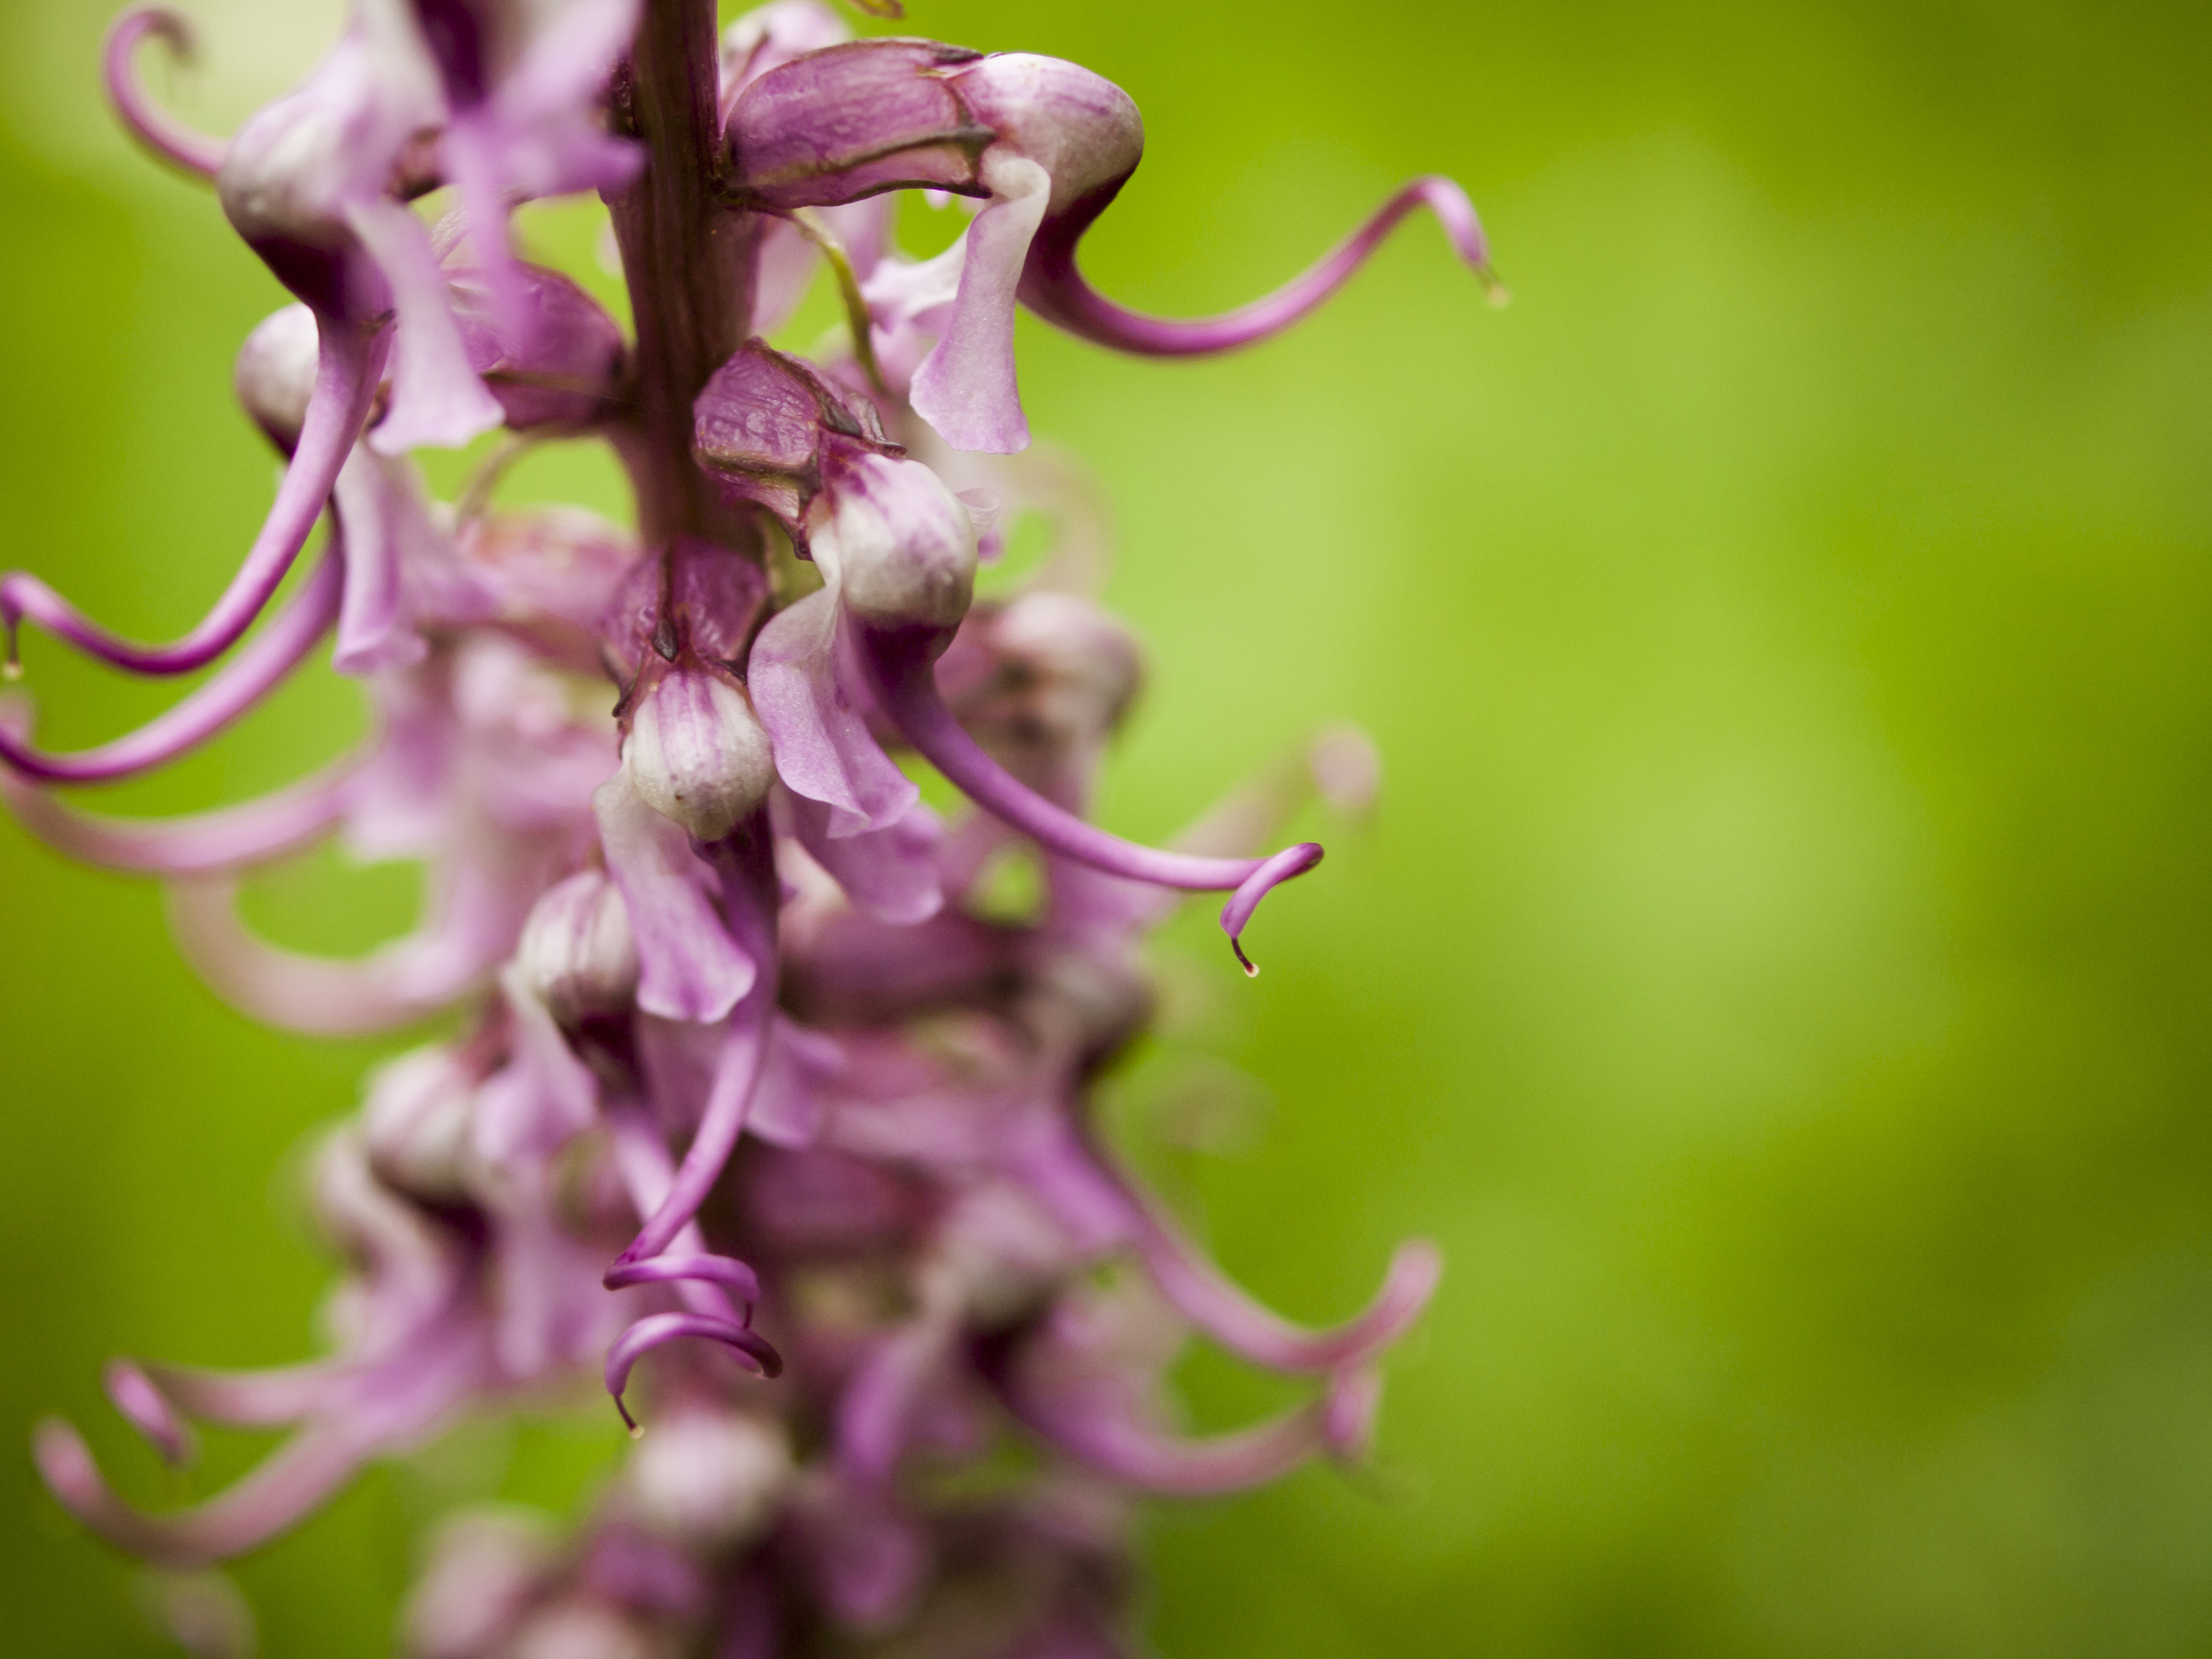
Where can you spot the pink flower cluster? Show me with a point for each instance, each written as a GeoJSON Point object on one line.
{"type": "Point", "coordinates": [748, 1080]}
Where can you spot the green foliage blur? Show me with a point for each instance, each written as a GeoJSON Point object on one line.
{"type": "Point", "coordinates": [1777, 973]}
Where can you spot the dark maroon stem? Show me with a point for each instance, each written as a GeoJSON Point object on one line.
{"type": "Point", "coordinates": [687, 257]}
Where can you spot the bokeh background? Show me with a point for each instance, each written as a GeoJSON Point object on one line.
{"type": "Point", "coordinates": [1777, 972]}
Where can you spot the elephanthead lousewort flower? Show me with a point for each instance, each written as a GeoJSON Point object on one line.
{"type": "Point", "coordinates": [757, 1109]}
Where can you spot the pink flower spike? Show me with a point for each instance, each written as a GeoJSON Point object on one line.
{"type": "Point", "coordinates": [168, 138]}
{"type": "Point", "coordinates": [1053, 287]}
{"type": "Point", "coordinates": [345, 382]}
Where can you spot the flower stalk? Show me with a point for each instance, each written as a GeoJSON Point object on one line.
{"type": "Point", "coordinates": [758, 1109]}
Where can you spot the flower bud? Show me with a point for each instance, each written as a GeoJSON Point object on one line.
{"type": "Point", "coordinates": [581, 1628]}
{"type": "Point", "coordinates": [275, 373]}
{"type": "Point", "coordinates": [416, 1123]}
{"type": "Point", "coordinates": [484, 1570]}
{"type": "Point", "coordinates": [1080, 667]}
{"type": "Point", "coordinates": [902, 547]}
{"type": "Point", "coordinates": [708, 1480]}
{"type": "Point", "coordinates": [550, 354]}
{"type": "Point", "coordinates": [697, 752]}
{"type": "Point", "coordinates": [577, 951]}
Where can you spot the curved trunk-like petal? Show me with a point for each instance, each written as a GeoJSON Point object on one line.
{"type": "Point", "coordinates": [231, 692]}
{"type": "Point", "coordinates": [1052, 287]}
{"type": "Point", "coordinates": [204, 843]}
{"type": "Point", "coordinates": [168, 138]}
{"type": "Point", "coordinates": [345, 382]}
{"type": "Point", "coordinates": [402, 982]}
{"type": "Point", "coordinates": [900, 675]}
{"type": "Point", "coordinates": [1105, 1432]}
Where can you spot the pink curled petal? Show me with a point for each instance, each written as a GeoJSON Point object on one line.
{"type": "Point", "coordinates": [394, 986]}
{"type": "Point", "coordinates": [647, 1173]}
{"type": "Point", "coordinates": [753, 1351]}
{"type": "Point", "coordinates": [966, 388]}
{"type": "Point", "coordinates": [689, 967]}
{"type": "Point", "coordinates": [345, 382]}
{"type": "Point", "coordinates": [145, 1408]}
{"type": "Point", "coordinates": [1292, 861]}
{"type": "Point", "coordinates": [1102, 1431]}
{"type": "Point", "coordinates": [904, 685]}
{"type": "Point", "coordinates": [231, 692]}
{"type": "Point", "coordinates": [437, 399]}
{"type": "Point", "coordinates": [277, 1495]}
{"type": "Point", "coordinates": [1348, 1414]}
{"type": "Point", "coordinates": [205, 843]}
{"type": "Point", "coordinates": [253, 1398]}
{"type": "Point", "coordinates": [1207, 1298]}
{"type": "Point", "coordinates": [162, 135]}
{"type": "Point", "coordinates": [1053, 287]}
{"type": "Point", "coordinates": [823, 747]}
{"type": "Point", "coordinates": [720, 1124]}
{"type": "Point", "coordinates": [725, 1271]}
{"type": "Point", "coordinates": [890, 873]}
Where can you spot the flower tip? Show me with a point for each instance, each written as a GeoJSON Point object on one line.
{"type": "Point", "coordinates": [12, 666]}
{"type": "Point", "coordinates": [146, 1408]}
{"type": "Point", "coordinates": [1347, 1414]}
{"type": "Point", "coordinates": [65, 1463]}
{"type": "Point", "coordinates": [1493, 289]}
{"type": "Point", "coordinates": [1271, 874]}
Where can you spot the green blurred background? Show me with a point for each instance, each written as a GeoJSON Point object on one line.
{"type": "Point", "coordinates": [1777, 972]}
